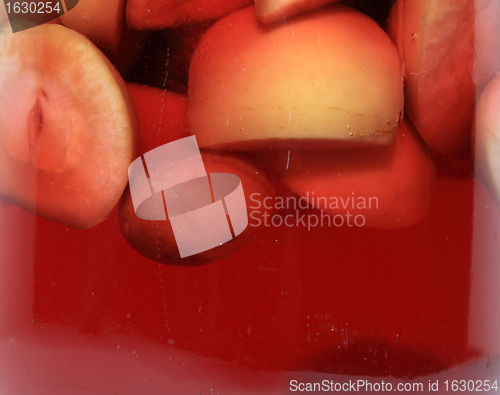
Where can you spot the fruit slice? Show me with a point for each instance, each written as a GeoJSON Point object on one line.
{"type": "Point", "coordinates": [385, 187]}
{"type": "Point", "coordinates": [161, 115]}
{"type": "Point", "coordinates": [435, 39]}
{"type": "Point", "coordinates": [154, 15]}
{"type": "Point", "coordinates": [67, 126]}
{"type": "Point", "coordinates": [269, 11]}
{"type": "Point", "coordinates": [330, 77]}
{"type": "Point", "coordinates": [155, 239]}
{"type": "Point", "coordinates": [487, 45]}
{"type": "Point", "coordinates": [4, 18]}
{"type": "Point", "coordinates": [487, 137]}
{"type": "Point", "coordinates": [100, 21]}
{"type": "Point", "coordinates": [103, 22]}
{"type": "Point", "coordinates": [162, 119]}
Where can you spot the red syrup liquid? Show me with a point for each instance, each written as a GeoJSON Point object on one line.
{"type": "Point", "coordinates": [330, 300]}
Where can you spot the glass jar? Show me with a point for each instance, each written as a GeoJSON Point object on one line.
{"type": "Point", "coordinates": [368, 259]}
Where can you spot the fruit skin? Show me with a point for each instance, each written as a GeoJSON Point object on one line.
{"type": "Point", "coordinates": [67, 137]}
{"type": "Point", "coordinates": [270, 11]}
{"type": "Point", "coordinates": [487, 137]}
{"type": "Point", "coordinates": [155, 15]}
{"type": "Point", "coordinates": [103, 22]}
{"type": "Point", "coordinates": [400, 177]}
{"type": "Point", "coordinates": [331, 77]}
{"type": "Point", "coordinates": [435, 40]}
{"type": "Point", "coordinates": [155, 239]}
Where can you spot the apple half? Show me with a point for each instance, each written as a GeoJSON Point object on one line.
{"type": "Point", "coordinates": [100, 21]}
{"type": "Point", "coordinates": [67, 126]}
{"type": "Point", "coordinates": [155, 15]}
{"type": "Point", "coordinates": [326, 78]}
{"type": "Point", "coordinates": [4, 18]}
{"type": "Point", "coordinates": [155, 239]}
{"type": "Point", "coordinates": [387, 187]}
{"type": "Point", "coordinates": [103, 23]}
{"type": "Point", "coordinates": [487, 43]}
{"type": "Point", "coordinates": [435, 39]}
{"type": "Point", "coordinates": [487, 137]}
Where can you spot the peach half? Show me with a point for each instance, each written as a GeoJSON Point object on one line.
{"type": "Point", "coordinates": [435, 39]}
{"type": "Point", "coordinates": [103, 23]}
{"type": "Point", "coordinates": [162, 120]}
{"type": "Point", "coordinates": [4, 18]}
{"type": "Point", "coordinates": [100, 21]}
{"type": "Point", "coordinates": [327, 78]}
{"type": "Point", "coordinates": [67, 126]}
{"type": "Point", "coordinates": [487, 43]}
{"type": "Point", "coordinates": [155, 239]}
{"type": "Point", "coordinates": [154, 15]}
{"type": "Point", "coordinates": [487, 137]}
{"type": "Point", "coordinates": [386, 187]}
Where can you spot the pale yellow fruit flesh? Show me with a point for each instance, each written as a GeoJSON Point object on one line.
{"type": "Point", "coordinates": [332, 75]}
{"type": "Point", "coordinates": [67, 127]}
